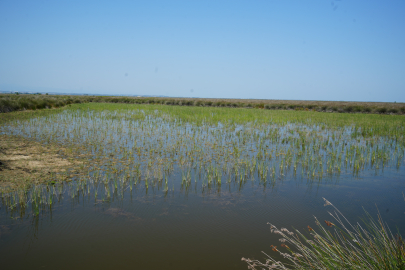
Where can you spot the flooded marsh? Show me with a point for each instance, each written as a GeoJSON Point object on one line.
{"type": "Point", "coordinates": [189, 187]}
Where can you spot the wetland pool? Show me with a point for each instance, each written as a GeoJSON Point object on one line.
{"type": "Point", "coordinates": [158, 192]}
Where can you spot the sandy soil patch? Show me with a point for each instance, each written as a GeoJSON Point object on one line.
{"type": "Point", "coordinates": [24, 162]}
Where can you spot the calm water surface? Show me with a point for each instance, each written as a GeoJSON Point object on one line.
{"type": "Point", "coordinates": [185, 231]}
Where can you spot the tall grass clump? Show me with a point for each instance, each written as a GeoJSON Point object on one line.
{"type": "Point", "coordinates": [338, 245]}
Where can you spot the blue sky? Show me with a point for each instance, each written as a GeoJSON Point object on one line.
{"type": "Point", "coordinates": [311, 50]}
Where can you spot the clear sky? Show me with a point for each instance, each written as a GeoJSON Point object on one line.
{"type": "Point", "coordinates": [295, 49]}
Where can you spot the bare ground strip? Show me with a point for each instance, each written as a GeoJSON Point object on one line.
{"type": "Point", "coordinates": [24, 162]}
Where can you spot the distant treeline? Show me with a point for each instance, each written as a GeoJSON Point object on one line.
{"type": "Point", "coordinates": [18, 102]}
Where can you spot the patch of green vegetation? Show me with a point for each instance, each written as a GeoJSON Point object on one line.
{"type": "Point", "coordinates": [16, 102]}
{"type": "Point", "coordinates": [130, 144]}
{"type": "Point", "coordinates": [364, 124]}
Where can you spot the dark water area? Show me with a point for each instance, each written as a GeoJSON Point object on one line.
{"type": "Point", "coordinates": [188, 230]}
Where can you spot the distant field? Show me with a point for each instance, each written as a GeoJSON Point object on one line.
{"type": "Point", "coordinates": [17, 102]}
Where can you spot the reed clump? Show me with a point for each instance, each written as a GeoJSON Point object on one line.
{"type": "Point", "coordinates": [336, 245]}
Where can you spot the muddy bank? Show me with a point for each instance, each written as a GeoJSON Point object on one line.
{"type": "Point", "coordinates": [24, 162]}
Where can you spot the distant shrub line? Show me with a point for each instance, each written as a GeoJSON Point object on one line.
{"type": "Point", "coordinates": [14, 102]}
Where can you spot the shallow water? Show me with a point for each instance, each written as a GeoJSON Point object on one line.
{"type": "Point", "coordinates": [169, 213]}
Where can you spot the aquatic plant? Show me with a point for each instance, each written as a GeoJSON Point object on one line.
{"type": "Point", "coordinates": [207, 148]}
{"type": "Point", "coordinates": [336, 245]}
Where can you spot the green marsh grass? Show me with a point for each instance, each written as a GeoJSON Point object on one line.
{"type": "Point", "coordinates": [208, 148]}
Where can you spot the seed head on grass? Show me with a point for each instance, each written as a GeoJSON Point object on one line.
{"type": "Point", "coordinates": [346, 246]}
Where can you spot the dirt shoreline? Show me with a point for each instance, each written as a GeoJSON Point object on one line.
{"type": "Point", "coordinates": [24, 162]}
